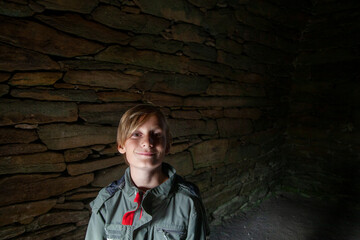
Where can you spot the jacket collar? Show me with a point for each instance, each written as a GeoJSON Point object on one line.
{"type": "Point", "coordinates": [160, 192]}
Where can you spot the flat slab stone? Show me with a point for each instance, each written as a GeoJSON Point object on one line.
{"type": "Point", "coordinates": [13, 135]}
{"type": "Point", "coordinates": [38, 162]}
{"type": "Point", "coordinates": [210, 152]}
{"type": "Point", "coordinates": [109, 113]}
{"type": "Point", "coordinates": [179, 127]}
{"type": "Point", "coordinates": [234, 127]}
{"type": "Point", "coordinates": [84, 28]}
{"type": "Point", "coordinates": [108, 79]}
{"type": "Point", "coordinates": [175, 10]}
{"type": "Point", "coordinates": [18, 212]}
{"type": "Point", "coordinates": [81, 6]}
{"type": "Point", "coordinates": [182, 162]}
{"type": "Point", "coordinates": [144, 58]}
{"type": "Point", "coordinates": [65, 136]}
{"type": "Point", "coordinates": [33, 187]}
{"type": "Point", "coordinates": [106, 176]}
{"type": "Point", "coordinates": [17, 149]}
{"type": "Point", "coordinates": [66, 95]}
{"type": "Point", "coordinates": [139, 23]}
{"type": "Point", "coordinates": [80, 168]}
{"type": "Point", "coordinates": [35, 78]}
{"type": "Point", "coordinates": [17, 111]}
{"type": "Point", "coordinates": [13, 58]}
{"type": "Point", "coordinates": [57, 218]}
{"type": "Point", "coordinates": [20, 33]}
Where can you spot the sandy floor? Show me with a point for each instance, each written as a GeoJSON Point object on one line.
{"type": "Point", "coordinates": [290, 217]}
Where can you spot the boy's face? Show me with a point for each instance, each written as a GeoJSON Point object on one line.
{"type": "Point", "coordinates": [146, 147]}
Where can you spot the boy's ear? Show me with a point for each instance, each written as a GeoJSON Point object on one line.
{"type": "Point", "coordinates": [121, 149]}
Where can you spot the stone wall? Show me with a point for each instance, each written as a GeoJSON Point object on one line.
{"type": "Point", "coordinates": [220, 70]}
{"type": "Point", "coordinates": [324, 117]}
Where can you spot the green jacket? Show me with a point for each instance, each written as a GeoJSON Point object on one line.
{"type": "Point", "coordinates": [172, 210]}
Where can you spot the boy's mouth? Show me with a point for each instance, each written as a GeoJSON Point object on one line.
{"type": "Point", "coordinates": [146, 153]}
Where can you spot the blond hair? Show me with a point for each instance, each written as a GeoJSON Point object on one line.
{"type": "Point", "coordinates": [135, 117]}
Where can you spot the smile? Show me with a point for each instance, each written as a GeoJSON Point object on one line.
{"type": "Point", "coordinates": [146, 153]}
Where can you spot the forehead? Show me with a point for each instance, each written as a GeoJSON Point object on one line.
{"type": "Point", "coordinates": [150, 120]}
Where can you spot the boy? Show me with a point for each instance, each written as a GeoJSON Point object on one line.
{"type": "Point", "coordinates": [150, 201]}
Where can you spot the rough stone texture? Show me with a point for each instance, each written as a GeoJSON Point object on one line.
{"type": "Point", "coordinates": [182, 162]}
{"type": "Point", "coordinates": [11, 135]}
{"type": "Point", "coordinates": [84, 28]}
{"type": "Point", "coordinates": [70, 206]}
{"type": "Point", "coordinates": [208, 4]}
{"type": "Point", "coordinates": [35, 78]}
{"type": "Point", "coordinates": [150, 59]}
{"type": "Point", "coordinates": [208, 153]}
{"type": "Point", "coordinates": [37, 187]}
{"type": "Point", "coordinates": [229, 45]}
{"type": "Point", "coordinates": [234, 127]}
{"type": "Point", "coordinates": [58, 218]}
{"type": "Point", "coordinates": [138, 23]}
{"type": "Point", "coordinates": [177, 10]}
{"type": "Point", "coordinates": [82, 6]}
{"type": "Point", "coordinates": [56, 95]}
{"type": "Point", "coordinates": [19, 32]}
{"type": "Point", "coordinates": [15, 111]}
{"type": "Point", "coordinates": [79, 233]}
{"type": "Point", "coordinates": [118, 96]}
{"type": "Point", "coordinates": [4, 89]}
{"type": "Point", "coordinates": [76, 154]}
{"type": "Point", "coordinates": [199, 51]}
{"type": "Point", "coordinates": [13, 58]}
{"type": "Point", "coordinates": [186, 114]}
{"type": "Point", "coordinates": [187, 33]}
{"type": "Point", "coordinates": [63, 136]}
{"type": "Point", "coordinates": [103, 113]}
{"type": "Point", "coordinates": [191, 127]}
{"type": "Point", "coordinates": [251, 113]}
{"type": "Point", "coordinates": [225, 102]}
{"type": "Point", "coordinates": [4, 76]}
{"type": "Point", "coordinates": [175, 83]}
{"type": "Point", "coordinates": [12, 9]}
{"type": "Point", "coordinates": [156, 43]}
{"type": "Point", "coordinates": [39, 162]}
{"type": "Point", "coordinates": [108, 79]}
{"type": "Point", "coordinates": [235, 61]}
{"type": "Point", "coordinates": [107, 176]}
{"type": "Point", "coordinates": [80, 168]}
{"type": "Point", "coordinates": [229, 89]}
{"type": "Point", "coordinates": [11, 231]}
{"type": "Point", "coordinates": [220, 21]}
{"type": "Point", "coordinates": [19, 212]}
{"type": "Point", "coordinates": [17, 149]}
{"type": "Point", "coordinates": [163, 99]}
{"type": "Point", "coordinates": [82, 196]}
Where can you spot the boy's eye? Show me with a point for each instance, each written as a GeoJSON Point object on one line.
{"type": "Point", "coordinates": [158, 134]}
{"type": "Point", "coordinates": [136, 134]}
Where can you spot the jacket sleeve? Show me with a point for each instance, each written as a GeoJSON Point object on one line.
{"type": "Point", "coordinates": [198, 227]}
{"type": "Point", "coordinates": [96, 227]}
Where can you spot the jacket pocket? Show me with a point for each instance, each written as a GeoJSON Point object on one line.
{"type": "Point", "coordinates": [117, 231]}
{"type": "Point", "coordinates": [171, 233]}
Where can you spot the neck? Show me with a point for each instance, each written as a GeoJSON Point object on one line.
{"type": "Point", "coordinates": [145, 179]}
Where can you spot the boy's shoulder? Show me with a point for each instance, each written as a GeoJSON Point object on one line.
{"type": "Point", "coordinates": [187, 187]}
{"type": "Point", "coordinates": [106, 193]}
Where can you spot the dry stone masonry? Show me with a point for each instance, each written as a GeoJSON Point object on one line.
{"type": "Point", "coordinates": [221, 71]}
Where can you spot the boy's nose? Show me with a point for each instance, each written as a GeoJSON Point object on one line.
{"type": "Point", "coordinates": [148, 141]}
